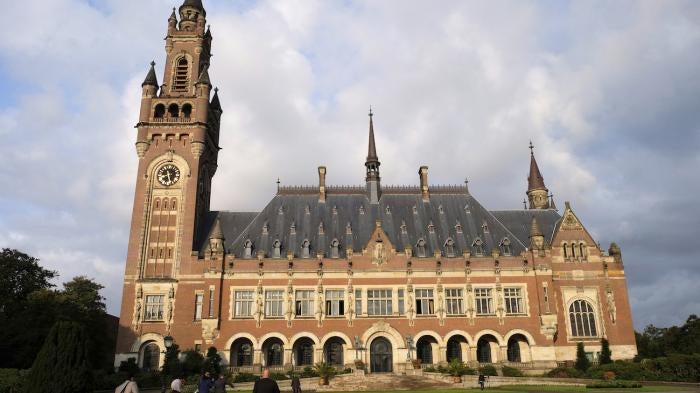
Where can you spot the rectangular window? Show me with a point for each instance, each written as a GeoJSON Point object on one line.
{"type": "Point", "coordinates": [335, 303]}
{"type": "Point", "coordinates": [273, 303]}
{"type": "Point", "coordinates": [211, 303]}
{"type": "Point", "coordinates": [455, 302]}
{"type": "Point", "coordinates": [358, 301]}
{"type": "Point", "coordinates": [379, 301]}
{"type": "Point", "coordinates": [425, 305]}
{"type": "Point", "coordinates": [402, 306]}
{"type": "Point", "coordinates": [305, 303]}
{"type": "Point", "coordinates": [198, 303]}
{"type": "Point", "coordinates": [484, 301]}
{"type": "Point", "coordinates": [154, 308]}
{"type": "Point", "coordinates": [514, 300]}
{"type": "Point", "coordinates": [243, 304]}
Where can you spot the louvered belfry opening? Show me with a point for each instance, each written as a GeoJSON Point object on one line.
{"type": "Point", "coordinates": [181, 72]}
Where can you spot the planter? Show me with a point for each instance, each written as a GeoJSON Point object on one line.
{"type": "Point", "coordinates": [322, 381]}
{"type": "Point", "coordinates": [456, 379]}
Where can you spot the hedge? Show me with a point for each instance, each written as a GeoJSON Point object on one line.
{"type": "Point", "coordinates": [12, 380]}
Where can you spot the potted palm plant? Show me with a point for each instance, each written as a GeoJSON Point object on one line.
{"type": "Point", "coordinates": [457, 368]}
{"type": "Point", "coordinates": [325, 372]}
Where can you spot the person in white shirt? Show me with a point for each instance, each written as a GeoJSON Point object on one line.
{"type": "Point", "coordinates": [128, 386]}
{"type": "Point", "coordinates": [176, 385]}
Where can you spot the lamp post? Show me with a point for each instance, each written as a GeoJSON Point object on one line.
{"type": "Point", "coordinates": [168, 342]}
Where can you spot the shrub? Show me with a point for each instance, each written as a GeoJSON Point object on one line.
{"type": "Point", "coordinates": [62, 363]}
{"type": "Point", "coordinates": [308, 372]}
{"type": "Point", "coordinates": [614, 384]}
{"type": "Point", "coordinates": [511, 372]}
{"type": "Point", "coordinates": [12, 380]}
{"type": "Point", "coordinates": [129, 366]}
{"type": "Point", "coordinates": [245, 377]}
{"type": "Point", "coordinates": [430, 369]}
{"type": "Point", "coordinates": [279, 376]}
{"type": "Point", "coordinates": [582, 362]}
{"type": "Point", "coordinates": [212, 362]}
{"type": "Point", "coordinates": [564, 372]}
{"type": "Point", "coordinates": [609, 375]}
{"type": "Point", "coordinates": [441, 369]}
{"type": "Point", "coordinates": [605, 353]}
{"type": "Point", "coordinates": [457, 368]}
{"type": "Point", "coordinates": [192, 362]}
{"type": "Point", "coordinates": [488, 370]}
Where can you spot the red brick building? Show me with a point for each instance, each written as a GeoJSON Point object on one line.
{"type": "Point", "coordinates": [381, 274]}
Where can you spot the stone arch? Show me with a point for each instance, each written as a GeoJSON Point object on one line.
{"type": "Point", "coordinates": [168, 158]}
{"type": "Point", "coordinates": [150, 357]}
{"type": "Point", "coordinates": [488, 347]}
{"type": "Point", "coordinates": [430, 333]}
{"type": "Point", "coordinates": [241, 352]}
{"type": "Point", "coordinates": [236, 336]}
{"type": "Point", "coordinates": [494, 333]}
{"type": "Point", "coordinates": [528, 336]}
{"type": "Point", "coordinates": [458, 344]}
{"type": "Point", "coordinates": [383, 329]}
{"type": "Point", "coordinates": [138, 343]}
{"type": "Point", "coordinates": [264, 338]}
{"type": "Point", "coordinates": [350, 343]}
{"type": "Point", "coordinates": [462, 333]}
{"type": "Point", "coordinates": [309, 335]}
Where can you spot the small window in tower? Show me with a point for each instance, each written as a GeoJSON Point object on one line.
{"type": "Point", "coordinates": [335, 248]}
{"type": "Point", "coordinates": [478, 247]}
{"type": "Point", "coordinates": [276, 249]}
{"type": "Point", "coordinates": [573, 250]}
{"type": "Point", "coordinates": [305, 245]}
{"type": "Point", "coordinates": [159, 111]}
{"type": "Point", "coordinates": [181, 74]}
{"type": "Point", "coordinates": [564, 248]}
{"type": "Point", "coordinates": [582, 249]}
{"type": "Point", "coordinates": [450, 248]}
{"type": "Point", "coordinates": [157, 203]}
{"type": "Point", "coordinates": [420, 248]}
{"type": "Point", "coordinates": [248, 252]}
{"type": "Point", "coordinates": [165, 204]}
{"type": "Point", "coordinates": [186, 111]}
{"type": "Point", "coordinates": [173, 111]}
{"type": "Point", "coordinates": [173, 204]}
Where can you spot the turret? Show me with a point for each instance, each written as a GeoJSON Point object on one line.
{"type": "Point", "coordinates": [372, 166]}
{"type": "Point", "coordinates": [192, 16]}
{"type": "Point", "coordinates": [149, 89]}
{"type": "Point", "coordinates": [537, 192]}
{"type": "Point", "coordinates": [536, 237]}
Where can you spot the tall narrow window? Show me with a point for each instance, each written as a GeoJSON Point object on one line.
{"type": "Point", "coordinates": [402, 306]}
{"type": "Point", "coordinates": [514, 300]}
{"type": "Point", "coordinates": [420, 248]}
{"type": "Point", "coordinates": [505, 246]}
{"type": "Point", "coordinates": [276, 249]}
{"type": "Point", "coordinates": [379, 302]}
{"type": "Point", "coordinates": [484, 301]}
{"type": "Point", "coordinates": [273, 303]}
{"type": "Point", "coordinates": [154, 308]}
{"type": "Point", "coordinates": [358, 301]}
{"type": "Point", "coordinates": [198, 300]}
{"type": "Point", "coordinates": [582, 250]}
{"type": "Point", "coordinates": [478, 247]}
{"type": "Point", "coordinates": [305, 246]}
{"type": "Point", "coordinates": [582, 319]}
{"type": "Point", "coordinates": [211, 302]}
{"type": "Point", "coordinates": [450, 248]}
{"type": "Point", "coordinates": [425, 304]}
{"type": "Point", "coordinates": [455, 301]}
{"type": "Point", "coordinates": [305, 303]}
{"type": "Point", "coordinates": [243, 304]}
{"type": "Point", "coordinates": [181, 74]}
{"type": "Point", "coordinates": [573, 250]}
{"type": "Point", "coordinates": [335, 303]}
{"type": "Point", "coordinates": [566, 255]}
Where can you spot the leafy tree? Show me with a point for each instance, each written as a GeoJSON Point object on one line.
{"type": "Point", "coordinates": [193, 362]}
{"type": "Point", "coordinates": [129, 366]}
{"type": "Point", "coordinates": [212, 362]}
{"type": "Point", "coordinates": [62, 364]}
{"type": "Point", "coordinates": [605, 354]}
{"type": "Point", "coordinates": [20, 275]}
{"type": "Point", "coordinates": [656, 342]}
{"type": "Point", "coordinates": [171, 363]}
{"type": "Point", "coordinates": [582, 362]}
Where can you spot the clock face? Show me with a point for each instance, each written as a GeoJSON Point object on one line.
{"type": "Point", "coordinates": [168, 175]}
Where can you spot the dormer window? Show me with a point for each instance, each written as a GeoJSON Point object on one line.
{"type": "Point", "coordinates": [404, 229]}
{"type": "Point", "coordinates": [485, 227]}
{"type": "Point", "coordinates": [505, 246]}
{"type": "Point", "coordinates": [420, 248]}
{"type": "Point", "coordinates": [248, 249]}
{"type": "Point", "coordinates": [276, 249]}
{"type": "Point", "coordinates": [335, 248]}
{"type": "Point", "coordinates": [181, 75]}
{"type": "Point", "coordinates": [305, 245]}
{"type": "Point", "coordinates": [388, 209]}
{"type": "Point", "coordinates": [478, 246]}
{"type": "Point", "coordinates": [450, 248]}
{"type": "Point", "coordinates": [458, 227]}
{"type": "Point", "coordinates": [431, 227]}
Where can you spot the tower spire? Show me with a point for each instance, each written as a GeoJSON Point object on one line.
{"type": "Point", "coordinates": [372, 164]}
{"type": "Point", "coordinates": [537, 192]}
{"type": "Point", "coordinates": [151, 78]}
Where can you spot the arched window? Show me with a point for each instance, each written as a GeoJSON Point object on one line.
{"type": "Point", "coordinates": [151, 357]}
{"type": "Point", "coordinates": [187, 111]}
{"type": "Point", "coordinates": [582, 250]}
{"type": "Point", "coordinates": [276, 249]}
{"type": "Point", "coordinates": [335, 248]}
{"type": "Point", "coordinates": [305, 248]}
{"type": "Point", "coordinates": [159, 111]}
{"type": "Point", "coordinates": [173, 111]}
{"type": "Point", "coordinates": [478, 247]}
{"type": "Point", "coordinates": [248, 245]}
{"type": "Point", "coordinates": [582, 319]}
{"type": "Point", "coordinates": [181, 74]}
{"type": "Point", "coordinates": [565, 251]}
{"type": "Point", "coordinates": [573, 250]}
{"type": "Point", "coordinates": [242, 353]}
{"type": "Point", "coordinates": [505, 246]}
{"type": "Point", "coordinates": [450, 248]}
{"type": "Point", "coordinates": [420, 248]}
{"type": "Point", "coordinates": [173, 204]}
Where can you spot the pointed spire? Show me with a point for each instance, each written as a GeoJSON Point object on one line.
{"type": "Point", "coordinates": [208, 33]}
{"type": "Point", "coordinates": [151, 78]}
{"type": "Point", "coordinates": [204, 77]}
{"type": "Point", "coordinates": [551, 202]}
{"type": "Point", "coordinates": [217, 233]}
{"type": "Point", "coordinates": [173, 16]}
{"type": "Point", "coordinates": [215, 104]}
{"type": "Point", "coordinates": [372, 150]}
{"type": "Point", "coordinates": [535, 180]}
{"type": "Point", "coordinates": [372, 165]}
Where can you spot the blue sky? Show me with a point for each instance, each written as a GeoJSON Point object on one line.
{"type": "Point", "coordinates": [607, 91]}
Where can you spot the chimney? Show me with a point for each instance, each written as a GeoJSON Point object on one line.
{"type": "Point", "coordinates": [322, 184]}
{"type": "Point", "coordinates": [423, 172]}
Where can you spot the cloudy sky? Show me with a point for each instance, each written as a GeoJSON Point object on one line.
{"type": "Point", "coordinates": [607, 91]}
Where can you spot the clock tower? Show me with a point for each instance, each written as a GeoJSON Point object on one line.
{"type": "Point", "coordinates": [177, 144]}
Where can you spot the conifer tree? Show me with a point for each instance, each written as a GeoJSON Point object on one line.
{"type": "Point", "coordinates": [212, 363]}
{"type": "Point", "coordinates": [62, 363]}
{"type": "Point", "coordinates": [605, 353]}
{"type": "Point", "coordinates": [582, 362]}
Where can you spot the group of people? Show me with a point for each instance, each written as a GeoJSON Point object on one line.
{"type": "Point", "coordinates": [207, 384]}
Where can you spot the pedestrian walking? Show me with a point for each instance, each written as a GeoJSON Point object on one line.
{"type": "Point", "coordinates": [482, 381]}
{"type": "Point", "coordinates": [296, 385]}
{"type": "Point", "coordinates": [265, 384]}
{"type": "Point", "coordinates": [128, 386]}
{"type": "Point", "coordinates": [220, 385]}
{"type": "Point", "coordinates": [176, 385]}
{"type": "Point", "coordinates": [205, 384]}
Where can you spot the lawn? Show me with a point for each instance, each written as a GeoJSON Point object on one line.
{"type": "Point", "coordinates": [548, 388]}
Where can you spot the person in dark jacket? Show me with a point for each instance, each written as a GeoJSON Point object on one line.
{"type": "Point", "coordinates": [482, 381]}
{"type": "Point", "coordinates": [265, 384]}
{"type": "Point", "coordinates": [205, 383]}
{"type": "Point", "coordinates": [220, 385]}
{"type": "Point", "coordinates": [296, 385]}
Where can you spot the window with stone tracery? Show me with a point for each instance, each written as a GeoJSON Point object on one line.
{"type": "Point", "coordinates": [582, 319]}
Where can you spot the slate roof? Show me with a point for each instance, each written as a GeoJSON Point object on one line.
{"type": "Point", "coordinates": [292, 217]}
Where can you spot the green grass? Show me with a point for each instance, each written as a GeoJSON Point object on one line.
{"type": "Point", "coordinates": [544, 388]}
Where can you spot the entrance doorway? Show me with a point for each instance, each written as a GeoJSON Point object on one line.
{"type": "Point", "coordinates": [381, 360]}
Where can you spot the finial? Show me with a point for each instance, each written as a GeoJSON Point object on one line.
{"type": "Point", "coordinates": [524, 204]}
{"type": "Point", "coordinates": [153, 63]}
{"type": "Point", "coordinates": [370, 111]}
{"type": "Point", "coordinates": [278, 184]}
{"type": "Point", "coordinates": [531, 147]}
{"type": "Point", "coordinates": [216, 90]}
